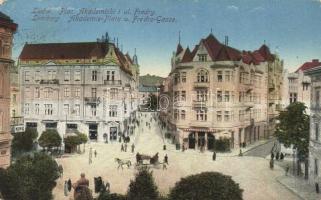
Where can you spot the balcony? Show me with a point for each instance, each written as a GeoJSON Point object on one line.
{"type": "Point", "coordinates": [92, 100]}
{"type": "Point", "coordinates": [201, 84]}
{"type": "Point", "coordinates": [112, 82]}
{"type": "Point", "coordinates": [200, 104]}
{"type": "Point", "coordinates": [17, 124]}
{"type": "Point", "coordinates": [248, 104]}
{"type": "Point", "coordinates": [197, 123]}
{"type": "Point", "coordinates": [53, 81]}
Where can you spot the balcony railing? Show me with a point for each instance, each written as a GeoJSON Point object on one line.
{"type": "Point", "coordinates": [54, 81]}
{"type": "Point", "coordinates": [16, 121]}
{"type": "Point", "coordinates": [92, 100]}
{"type": "Point", "coordinates": [201, 84]}
{"type": "Point", "coordinates": [112, 82]}
{"type": "Point", "coordinates": [198, 103]}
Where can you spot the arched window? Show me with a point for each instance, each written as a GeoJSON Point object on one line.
{"type": "Point", "coordinates": [202, 76]}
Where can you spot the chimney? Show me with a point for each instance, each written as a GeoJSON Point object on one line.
{"type": "Point", "coordinates": [315, 60]}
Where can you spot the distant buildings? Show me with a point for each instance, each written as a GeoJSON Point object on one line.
{"type": "Point", "coordinates": [315, 125]}
{"type": "Point", "coordinates": [7, 29]}
{"type": "Point", "coordinates": [88, 87]}
{"type": "Point", "coordinates": [299, 84]}
{"type": "Point", "coordinates": [216, 92]}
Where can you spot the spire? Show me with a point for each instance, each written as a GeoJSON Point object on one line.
{"type": "Point", "coordinates": [211, 31]}
{"type": "Point", "coordinates": [107, 37]}
{"type": "Point", "coordinates": [135, 60]}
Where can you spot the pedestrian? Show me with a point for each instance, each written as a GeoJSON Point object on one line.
{"type": "Point", "coordinates": [66, 188]}
{"type": "Point", "coordinates": [271, 164]}
{"type": "Point", "coordinates": [125, 147]}
{"type": "Point", "coordinates": [122, 148]}
{"type": "Point", "coordinates": [164, 147]}
{"type": "Point", "coordinates": [272, 155]}
{"type": "Point", "coordinates": [69, 185]}
{"type": "Point", "coordinates": [241, 153]}
{"type": "Point", "coordinates": [166, 159]}
{"type": "Point", "coordinates": [133, 148]}
{"type": "Point", "coordinates": [164, 166]}
{"type": "Point", "coordinates": [281, 156]}
{"type": "Point", "coordinates": [287, 168]}
{"type": "Point", "coordinates": [95, 152]}
{"type": "Point", "coordinates": [214, 156]}
{"type": "Point", "coordinates": [277, 156]}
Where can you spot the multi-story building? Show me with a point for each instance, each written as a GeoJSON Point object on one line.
{"type": "Point", "coordinates": [275, 87]}
{"type": "Point", "coordinates": [299, 84]}
{"type": "Point", "coordinates": [16, 121]}
{"type": "Point", "coordinates": [315, 125]}
{"type": "Point", "coordinates": [90, 87]}
{"type": "Point", "coordinates": [7, 29]}
{"type": "Point", "coordinates": [216, 91]}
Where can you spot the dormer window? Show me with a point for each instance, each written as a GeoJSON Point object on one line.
{"type": "Point", "coordinates": [202, 57]}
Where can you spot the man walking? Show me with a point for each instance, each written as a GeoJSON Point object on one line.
{"type": "Point", "coordinates": [287, 168]}
{"type": "Point", "coordinates": [95, 152]}
{"type": "Point", "coordinates": [133, 148]}
{"type": "Point", "coordinates": [166, 159]}
{"type": "Point", "coordinates": [90, 155]}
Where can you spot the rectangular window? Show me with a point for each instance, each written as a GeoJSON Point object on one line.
{"type": "Point", "coordinates": [202, 57]}
{"type": "Point", "coordinates": [47, 92]}
{"type": "Point", "coordinates": [48, 109]}
{"type": "Point", "coordinates": [27, 108]}
{"type": "Point", "coordinates": [228, 77]}
{"type": "Point", "coordinates": [176, 78]}
{"type": "Point", "coordinates": [37, 76]}
{"type": "Point", "coordinates": [226, 116]}
{"type": "Point", "coordinates": [94, 75]}
{"type": "Point", "coordinates": [37, 92]}
{"type": "Point", "coordinates": [316, 167]}
{"type": "Point", "coordinates": [183, 76]}
{"type": "Point", "coordinates": [183, 96]}
{"type": "Point", "coordinates": [176, 114]}
{"type": "Point", "coordinates": [317, 98]}
{"type": "Point", "coordinates": [66, 92]}
{"type": "Point", "coordinates": [176, 96]}
{"type": "Point", "coordinates": [77, 92]}
{"type": "Point", "coordinates": [37, 109]}
{"type": "Point", "coordinates": [201, 115]}
{"type": "Point", "coordinates": [112, 75]}
{"type": "Point", "coordinates": [67, 75]}
{"type": "Point", "coordinates": [93, 109]}
{"type": "Point", "coordinates": [77, 109]}
{"type": "Point", "coordinates": [94, 92]}
{"type": "Point", "coordinates": [113, 93]}
{"type": "Point", "coordinates": [108, 76]}
{"type": "Point", "coordinates": [219, 116]}
{"type": "Point", "coordinates": [219, 96]}
{"type": "Point", "coordinates": [77, 76]}
{"type": "Point", "coordinates": [219, 76]}
{"type": "Point", "coordinates": [27, 76]}
{"type": "Point", "coordinates": [227, 96]}
{"type": "Point", "coordinates": [113, 111]}
{"type": "Point", "coordinates": [183, 115]}
{"type": "Point", "coordinates": [201, 95]}
{"type": "Point", "coordinates": [66, 109]}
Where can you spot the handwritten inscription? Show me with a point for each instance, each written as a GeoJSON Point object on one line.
{"type": "Point", "coordinates": [100, 15]}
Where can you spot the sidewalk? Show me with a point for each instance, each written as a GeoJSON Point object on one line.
{"type": "Point", "coordinates": [300, 187]}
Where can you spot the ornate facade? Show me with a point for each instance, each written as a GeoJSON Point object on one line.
{"type": "Point", "coordinates": [7, 29]}
{"type": "Point", "coordinates": [89, 87]}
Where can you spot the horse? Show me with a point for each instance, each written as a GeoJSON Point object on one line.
{"type": "Point", "coordinates": [123, 162]}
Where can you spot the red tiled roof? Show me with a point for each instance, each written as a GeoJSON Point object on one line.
{"type": "Point", "coordinates": [265, 52]}
{"type": "Point", "coordinates": [80, 50]}
{"type": "Point", "coordinates": [6, 21]}
{"type": "Point", "coordinates": [187, 57]}
{"type": "Point", "coordinates": [309, 65]}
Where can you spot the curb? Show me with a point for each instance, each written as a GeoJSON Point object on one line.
{"type": "Point", "coordinates": [289, 188]}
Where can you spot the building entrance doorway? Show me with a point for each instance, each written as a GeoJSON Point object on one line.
{"type": "Point", "coordinates": [113, 134]}
{"type": "Point", "coordinates": [201, 139]}
{"type": "Point", "coordinates": [191, 140]}
{"type": "Point", "coordinates": [93, 133]}
{"type": "Point", "coordinates": [210, 141]}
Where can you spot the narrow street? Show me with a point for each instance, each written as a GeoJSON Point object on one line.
{"type": "Point", "coordinates": [262, 150]}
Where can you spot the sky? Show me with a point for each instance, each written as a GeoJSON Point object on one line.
{"type": "Point", "coordinates": [291, 28]}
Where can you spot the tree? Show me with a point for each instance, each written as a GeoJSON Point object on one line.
{"type": "Point", "coordinates": [293, 129]}
{"type": "Point", "coordinates": [30, 177]}
{"type": "Point", "coordinates": [83, 139]}
{"type": "Point", "coordinates": [50, 138]}
{"type": "Point", "coordinates": [206, 185]}
{"type": "Point", "coordinates": [71, 142]}
{"type": "Point", "coordinates": [24, 141]}
{"type": "Point", "coordinates": [143, 187]}
{"type": "Point", "coordinates": [113, 196]}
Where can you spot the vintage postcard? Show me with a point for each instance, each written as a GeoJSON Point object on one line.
{"type": "Point", "coordinates": [160, 99]}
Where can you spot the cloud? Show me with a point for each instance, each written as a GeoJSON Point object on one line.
{"type": "Point", "coordinates": [232, 7]}
{"type": "Point", "coordinates": [2, 1]}
{"type": "Point", "coordinates": [259, 9]}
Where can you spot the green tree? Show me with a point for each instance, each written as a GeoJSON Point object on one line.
{"type": "Point", "coordinates": [71, 142]}
{"type": "Point", "coordinates": [83, 139]}
{"type": "Point", "coordinates": [23, 142]}
{"type": "Point", "coordinates": [30, 177]}
{"type": "Point", "coordinates": [206, 185]}
{"type": "Point", "coordinates": [293, 129]}
{"type": "Point", "coordinates": [143, 187]}
{"type": "Point", "coordinates": [50, 138]}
